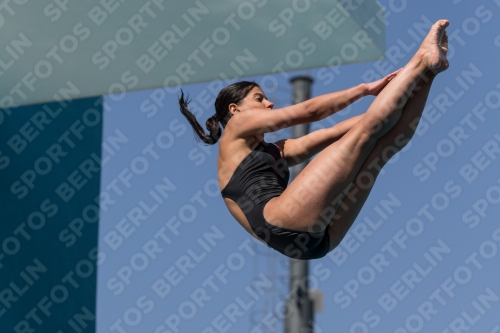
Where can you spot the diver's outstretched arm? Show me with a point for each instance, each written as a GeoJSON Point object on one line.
{"type": "Point", "coordinates": [253, 122]}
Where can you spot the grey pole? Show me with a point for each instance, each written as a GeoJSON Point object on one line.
{"type": "Point", "coordinates": [299, 317]}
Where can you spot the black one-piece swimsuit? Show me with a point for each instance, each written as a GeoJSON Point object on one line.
{"type": "Point", "coordinates": [261, 176]}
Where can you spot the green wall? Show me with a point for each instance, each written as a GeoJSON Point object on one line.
{"type": "Point", "coordinates": [50, 176]}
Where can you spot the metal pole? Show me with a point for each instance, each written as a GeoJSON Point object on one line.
{"type": "Point", "coordinates": [300, 316]}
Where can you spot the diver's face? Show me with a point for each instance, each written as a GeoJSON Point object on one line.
{"type": "Point", "coordinates": [255, 99]}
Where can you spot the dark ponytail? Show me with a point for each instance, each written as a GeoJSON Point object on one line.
{"type": "Point", "coordinates": [212, 123]}
{"type": "Point", "coordinates": [233, 93]}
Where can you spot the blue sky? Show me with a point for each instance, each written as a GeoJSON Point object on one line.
{"type": "Point", "coordinates": [424, 254]}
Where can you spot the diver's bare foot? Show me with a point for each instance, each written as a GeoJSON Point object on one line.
{"type": "Point", "coordinates": [443, 51]}
{"type": "Point", "coordinates": [435, 46]}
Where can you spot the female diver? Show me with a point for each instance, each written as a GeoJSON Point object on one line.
{"type": "Point", "coordinates": [309, 217]}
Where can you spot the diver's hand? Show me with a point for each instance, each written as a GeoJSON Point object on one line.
{"type": "Point", "coordinates": [374, 88]}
